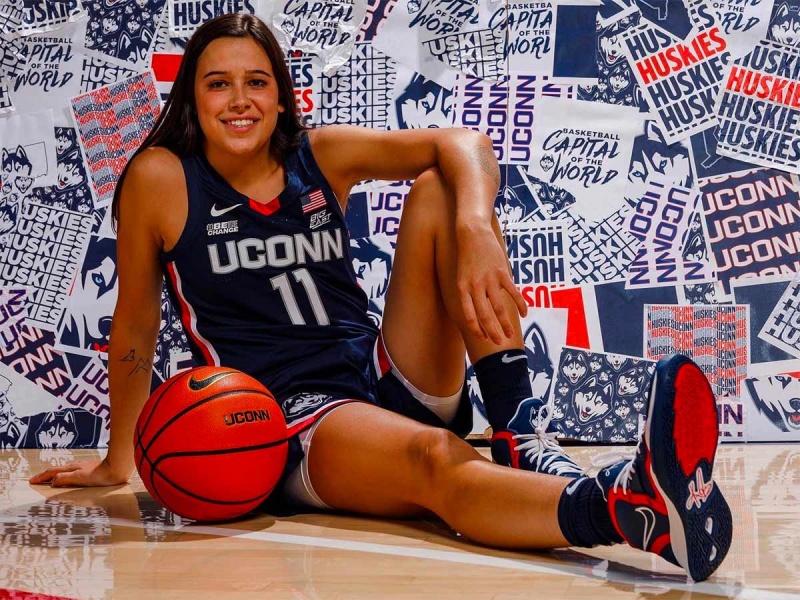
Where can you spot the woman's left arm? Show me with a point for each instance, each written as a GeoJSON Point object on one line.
{"type": "Point", "coordinates": [348, 154]}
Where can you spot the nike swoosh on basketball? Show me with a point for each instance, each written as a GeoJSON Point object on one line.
{"type": "Point", "coordinates": [217, 212]}
{"type": "Point", "coordinates": [509, 359]}
{"type": "Point", "coordinates": [199, 384]}
{"type": "Point", "coordinates": [649, 523]}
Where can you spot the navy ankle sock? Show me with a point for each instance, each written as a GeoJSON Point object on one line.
{"type": "Point", "coordinates": [504, 382]}
{"type": "Point", "coordinates": [583, 515]}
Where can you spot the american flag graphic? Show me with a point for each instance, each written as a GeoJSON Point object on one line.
{"type": "Point", "coordinates": [312, 201]}
{"type": "Point", "coordinates": [165, 68]}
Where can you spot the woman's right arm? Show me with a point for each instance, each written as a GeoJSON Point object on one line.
{"type": "Point", "coordinates": [136, 320]}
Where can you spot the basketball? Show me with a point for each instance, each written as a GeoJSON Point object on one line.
{"type": "Point", "coordinates": [210, 444]}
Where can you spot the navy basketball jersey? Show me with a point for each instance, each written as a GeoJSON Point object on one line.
{"type": "Point", "coordinates": [269, 289]}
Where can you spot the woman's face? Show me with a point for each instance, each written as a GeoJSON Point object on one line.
{"type": "Point", "coordinates": [236, 97]}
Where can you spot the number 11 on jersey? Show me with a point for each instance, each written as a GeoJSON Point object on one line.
{"type": "Point", "coordinates": [284, 286]}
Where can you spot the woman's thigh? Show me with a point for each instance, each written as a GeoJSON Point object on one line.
{"type": "Point", "coordinates": [368, 460]}
{"type": "Point", "coordinates": [422, 339]}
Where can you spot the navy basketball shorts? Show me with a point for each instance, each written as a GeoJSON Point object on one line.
{"type": "Point", "coordinates": [304, 413]}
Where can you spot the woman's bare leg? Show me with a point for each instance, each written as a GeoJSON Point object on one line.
{"type": "Point", "coordinates": [367, 460]}
{"type": "Point", "coordinates": [424, 326]}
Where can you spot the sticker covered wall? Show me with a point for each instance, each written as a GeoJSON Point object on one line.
{"type": "Point", "coordinates": [648, 194]}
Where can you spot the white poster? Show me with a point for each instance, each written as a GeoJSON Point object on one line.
{"type": "Point", "coordinates": [326, 28]}
{"type": "Point", "coordinates": [585, 148]}
{"type": "Point", "coordinates": [442, 36]}
{"type": "Point", "coordinates": [773, 408]}
{"type": "Point", "coordinates": [53, 73]}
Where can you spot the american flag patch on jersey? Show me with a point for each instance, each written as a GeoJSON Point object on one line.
{"type": "Point", "coordinates": [312, 201]}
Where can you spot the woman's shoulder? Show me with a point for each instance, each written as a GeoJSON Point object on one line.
{"type": "Point", "coordinates": [155, 165]}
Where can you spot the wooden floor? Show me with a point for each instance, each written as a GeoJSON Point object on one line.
{"type": "Point", "coordinates": [117, 543]}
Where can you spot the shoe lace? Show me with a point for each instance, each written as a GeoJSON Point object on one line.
{"type": "Point", "coordinates": [542, 447]}
{"type": "Point", "coordinates": [613, 457]}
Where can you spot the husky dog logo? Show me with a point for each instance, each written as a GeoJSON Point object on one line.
{"type": "Point", "coordinates": [372, 265]}
{"type": "Point", "coordinates": [616, 361]}
{"type": "Point", "coordinates": [547, 162]}
{"type": "Point", "coordinates": [69, 172]}
{"type": "Point", "coordinates": [303, 404]}
{"type": "Point", "coordinates": [592, 401]}
{"type": "Point", "coordinates": [17, 171]}
{"type": "Point", "coordinates": [63, 140]}
{"type": "Point", "coordinates": [574, 367]}
{"type": "Point", "coordinates": [611, 46]}
{"type": "Point", "coordinates": [622, 411]}
{"type": "Point", "coordinates": [423, 103]}
{"type": "Point", "coordinates": [778, 399]}
{"type": "Point", "coordinates": [87, 324]}
{"type": "Point", "coordinates": [512, 209]}
{"type": "Point", "coordinates": [629, 384]}
{"type": "Point", "coordinates": [700, 293]}
{"type": "Point", "coordinates": [540, 367]}
{"type": "Point", "coordinates": [620, 79]}
{"type": "Point", "coordinates": [785, 25]}
{"type": "Point", "coordinates": [652, 155]}
{"type": "Point", "coordinates": [58, 430]}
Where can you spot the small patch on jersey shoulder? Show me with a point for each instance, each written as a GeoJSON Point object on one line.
{"type": "Point", "coordinates": [319, 219]}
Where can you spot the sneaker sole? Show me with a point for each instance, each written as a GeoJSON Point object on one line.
{"type": "Point", "coordinates": [682, 446]}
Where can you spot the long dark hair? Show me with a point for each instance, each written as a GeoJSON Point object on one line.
{"type": "Point", "coordinates": [177, 127]}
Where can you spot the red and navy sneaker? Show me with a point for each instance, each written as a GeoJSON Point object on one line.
{"type": "Point", "coordinates": [527, 444]}
{"type": "Point", "coordinates": [664, 500]}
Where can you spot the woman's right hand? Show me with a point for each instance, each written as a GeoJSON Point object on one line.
{"type": "Point", "coordinates": [84, 473]}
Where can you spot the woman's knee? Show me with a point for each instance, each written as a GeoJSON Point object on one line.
{"type": "Point", "coordinates": [430, 190]}
{"type": "Point", "coordinates": [433, 452]}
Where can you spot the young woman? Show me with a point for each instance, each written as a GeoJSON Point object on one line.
{"type": "Point", "coordinates": [242, 210]}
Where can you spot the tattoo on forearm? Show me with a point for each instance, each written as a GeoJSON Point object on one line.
{"type": "Point", "coordinates": [487, 161]}
{"type": "Point", "coordinates": [141, 364]}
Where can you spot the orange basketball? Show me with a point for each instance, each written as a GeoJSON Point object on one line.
{"type": "Point", "coordinates": [210, 443]}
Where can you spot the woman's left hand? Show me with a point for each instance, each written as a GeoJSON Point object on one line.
{"type": "Point", "coordinates": [483, 278]}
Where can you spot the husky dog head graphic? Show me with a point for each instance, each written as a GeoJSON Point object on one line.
{"type": "Point", "coordinates": [622, 411]}
{"type": "Point", "coordinates": [629, 384]}
{"type": "Point", "coordinates": [17, 171]}
{"type": "Point", "coordinates": [785, 25]}
{"type": "Point", "coordinates": [65, 138]}
{"type": "Point", "coordinates": [303, 404]}
{"type": "Point", "coordinates": [700, 293]}
{"type": "Point", "coordinates": [592, 400]}
{"type": "Point", "coordinates": [58, 430]}
{"type": "Point", "coordinates": [69, 171]}
{"type": "Point", "coordinates": [615, 360]}
{"type": "Point", "coordinates": [372, 265]}
{"type": "Point", "coordinates": [512, 209]}
{"type": "Point", "coordinates": [540, 367]}
{"type": "Point", "coordinates": [574, 366]}
{"type": "Point", "coordinates": [547, 162]}
{"type": "Point", "coordinates": [423, 103]}
{"type": "Point", "coordinates": [88, 323]}
{"type": "Point", "coordinates": [619, 79]}
{"type": "Point", "coordinates": [778, 399]}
